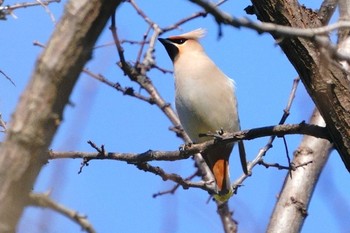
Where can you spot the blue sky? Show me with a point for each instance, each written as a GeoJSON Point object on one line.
{"type": "Point", "coordinates": [117, 197]}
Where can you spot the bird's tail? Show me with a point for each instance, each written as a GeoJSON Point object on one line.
{"type": "Point", "coordinates": [221, 174]}
{"type": "Point", "coordinates": [217, 159]}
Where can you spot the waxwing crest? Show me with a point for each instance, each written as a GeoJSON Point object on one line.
{"type": "Point", "coordinates": [194, 35]}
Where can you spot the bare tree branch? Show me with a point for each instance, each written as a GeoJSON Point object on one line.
{"type": "Point", "coordinates": [230, 225]}
{"type": "Point", "coordinates": [7, 77]}
{"type": "Point", "coordinates": [190, 149]}
{"type": "Point", "coordinates": [172, 190]}
{"type": "Point", "coordinates": [266, 27]}
{"type": "Point", "coordinates": [43, 200]}
{"type": "Point", "coordinates": [8, 10]}
{"type": "Point", "coordinates": [185, 183]}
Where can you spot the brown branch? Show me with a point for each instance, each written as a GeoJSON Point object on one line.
{"type": "Point", "coordinates": [125, 90]}
{"type": "Point", "coordinates": [185, 183]}
{"type": "Point", "coordinates": [39, 112]}
{"type": "Point", "coordinates": [291, 167]}
{"type": "Point", "coordinates": [43, 200]}
{"type": "Point", "coordinates": [173, 189]}
{"type": "Point", "coordinates": [190, 149]}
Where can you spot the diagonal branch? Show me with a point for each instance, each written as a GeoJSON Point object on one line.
{"type": "Point", "coordinates": [43, 200]}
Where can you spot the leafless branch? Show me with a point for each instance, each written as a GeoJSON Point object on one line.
{"type": "Point", "coordinates": [230, 225]}
{"type": "Point", "coordinates": [190, 149]}
{"type": "Point", "coordinates": [264, 150]}
{"type": "Point", "coordinates": [7, 77]}
{"type": "Point", "coordinates": [189, 18]}
{"type": "Point", "coordinates": [8, 10]}
{"type": "Point", "coordinates": [291, 166]}
{"type": "Point", "coordinates": [48, 11]}
{"type": "Point", "coordinates": [43, 200]}
{"type": "Point", "coordinates": [176, 186]}
{"type": "Point", "coordinates": [132, 42]}
{"type": "Point", "coordinates": [280, 30]}
{"type": "Point", "coordinates": [125, 90]}
{"type": "Point", "coordinates": [140, 160]}
{"type": "Point", "coordinates": [207, 186]}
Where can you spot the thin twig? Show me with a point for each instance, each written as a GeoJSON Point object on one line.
{"type": "Point", "coordinates": [207, 186]}
{"type": "Point", "coordinates": [44, 5]}
{"type": "Point", "coordinates": [189, 18]}
{"type": "Point", "coordinates": [132, 42]}
{"type": "Point", "coordinates": [176, 186]}
{"type": "Point", "coordinates": [125, 90]}
{"type": "Point", "coordinates": [264, 150]}
{"type": "Point", "coordinates": [7, 77]}
{"type": "Point", "coordinates": [138, 59]}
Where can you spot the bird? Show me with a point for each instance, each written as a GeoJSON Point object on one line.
{"type": "Point", "coordinates": [205, 101]}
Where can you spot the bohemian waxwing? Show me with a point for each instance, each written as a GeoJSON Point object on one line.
{"type": "Point", "coordinates": [205, 102]}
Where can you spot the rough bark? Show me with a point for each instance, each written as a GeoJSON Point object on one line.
{"type": "Point", "coordinates": [324, 79]}
{"type": "Point", "coordinates": [291, 209]}
{"type": "Point", "coordinates": [39, 112]}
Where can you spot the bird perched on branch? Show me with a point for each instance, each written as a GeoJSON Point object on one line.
{"type": "Point", "coordinates": [205, 102]}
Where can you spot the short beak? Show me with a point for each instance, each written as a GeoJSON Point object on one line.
{"type": "Point", "coordinates": [172, 50]}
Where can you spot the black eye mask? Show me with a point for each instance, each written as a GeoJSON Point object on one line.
{"type": "Point", "coordinates": [178, 41]}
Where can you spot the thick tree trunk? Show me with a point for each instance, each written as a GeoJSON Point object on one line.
{"type": "Point", "coordinates": [323, 77]}
{"type": "Point", "coordinates": [39, 112]}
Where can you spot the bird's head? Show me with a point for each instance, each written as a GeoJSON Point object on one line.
{"type": "Point", "coordinates": [184, 43]}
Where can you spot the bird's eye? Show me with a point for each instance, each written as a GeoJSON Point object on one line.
{"type": "Point", "coordinates": [178, 41]}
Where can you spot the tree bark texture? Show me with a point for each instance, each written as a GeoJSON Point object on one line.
{"type": "Point", "coordinates": [39, 111]}
{"type": "Point", "coordinates": [324, 79]}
